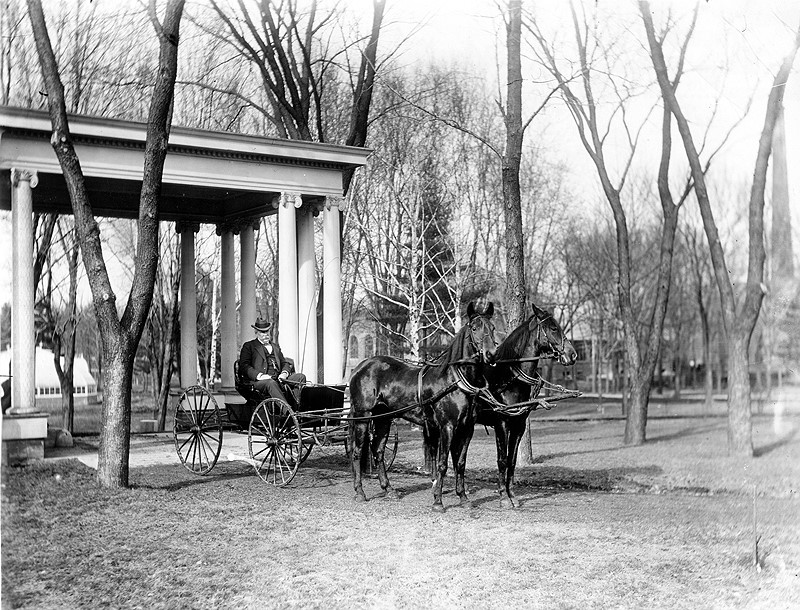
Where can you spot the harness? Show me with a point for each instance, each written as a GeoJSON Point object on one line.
{"type": "Point", "coordinates": [535, 381]}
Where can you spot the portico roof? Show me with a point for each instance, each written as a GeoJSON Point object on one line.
{"type": "Point", "coordinates": [209, 176]}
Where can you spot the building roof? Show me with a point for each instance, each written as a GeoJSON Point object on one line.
{"type": "Point", "coordinates": [209, 177]}
{"type": "Point", "coordinates": [45, 374]}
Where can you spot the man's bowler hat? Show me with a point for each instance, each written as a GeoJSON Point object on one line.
{"type": "Point", "coordinates": [262, 325]}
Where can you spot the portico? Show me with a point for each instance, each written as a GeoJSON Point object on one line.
{"type": "Point", "coordinates": [227, 180]}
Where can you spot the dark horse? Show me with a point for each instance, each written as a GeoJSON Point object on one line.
{"type": "Point", "coordinates": [517, 382]}
{"type": "Point", "coordinates": [443, 392]}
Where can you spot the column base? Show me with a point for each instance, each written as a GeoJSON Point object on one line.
{"type": "Point", "coordinates": [24, 436]}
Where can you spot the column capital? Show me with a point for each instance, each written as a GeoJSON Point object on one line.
{"type": "Point", "coordinates": [313, 209]}
{"type": "Point", "coordinates": [184, 225]}
{"type": "Point", "coordinates": [240, 224]}
{"type": "Point", "coordinates": [335, 201]}
{"type": "Point", "coordinates": [19, 174]}
{"type": "Point", "coordinates": [291, 198]}
{"type": "Point", "coordinates": [227, 227]}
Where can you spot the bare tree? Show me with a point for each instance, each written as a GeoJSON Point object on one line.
{"type": "Point", "coordinates": [593, 129]}
{"type": "Point", "coordinates": [293, 51]}
{"type": "Point", "coordinates": [162, 324]}
{"type": "Point", "coordinates": [120, 335]}
{"type": "Point", "coordinates": [739, 313]}
{"type": "Point", "coordinates": [515, 248]}
{"type": "Point", "coordinates": [65, 335]}
{"type": "Point", "coordinates": [699, 271]}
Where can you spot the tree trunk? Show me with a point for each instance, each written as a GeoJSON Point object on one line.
{"type": "Point", "coordinates": [120, 337]}
{"type": "Point", "coordinates": [636, 420]}
{"type": "Point", "coordinates": [512, 197]}
{"type": "Point", "coordinates": [740, 424]}
{"type": "Point", "coordinates": [65, 337]}
{"type": "Point", "coordinates": [114, 450]}
{"type": "Point", "coordinates": [739, 317]}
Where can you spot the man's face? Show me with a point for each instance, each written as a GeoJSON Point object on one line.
{"type": "Point", "coordinates": [262, 336]}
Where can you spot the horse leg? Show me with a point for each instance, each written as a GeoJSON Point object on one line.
{"type": "Point", "coordinates": [445, 439]}
{"type": "Point", "coordinates": [430, 440]}
{"type": "Point", "coordinates": [358, 435]}
{"type": "Point", "coordinates": [460, 446]}
{"type": "Point", "coordinates": [379, 438]}
{"type": "Point", "coordinates": [515, 436]}
{"type": "Point", "coordinates": [501, 437]}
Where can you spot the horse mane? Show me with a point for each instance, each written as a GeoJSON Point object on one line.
{"type": "Point", "coordinates": [453, 352]}
{"type": "Point", "coordinates": [513, 346]}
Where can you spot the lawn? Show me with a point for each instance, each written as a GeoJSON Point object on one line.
{"type": "Point", "coordinates": [665, 525]}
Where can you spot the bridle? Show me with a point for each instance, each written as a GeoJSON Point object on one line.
{"type": "Point", "coordinates": [542, 333]}
{"type": "Point", "coordinates": [461, 380]}
{"type": "Point", "coordinates": [474, 343]}
{"type": "Point", "coordinates": [541, 337]}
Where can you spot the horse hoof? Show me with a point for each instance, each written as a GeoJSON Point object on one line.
{"type": "Point", "coordinates": [392, 494]}
{"type": "Point", "coordinates": [438, 508]}
{"type": "Point", "coordinates": [360, 498]}
{"type": "Point", "coordinates": [506, 503]}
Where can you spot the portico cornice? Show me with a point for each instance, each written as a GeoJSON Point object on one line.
{"type": "Point", "coordinates": [129, 134]}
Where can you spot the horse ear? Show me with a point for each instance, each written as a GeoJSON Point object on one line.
{"type": "Point", "coordinates": [489, 310]}
{"type": "Point", "coordinates": [534, 319]}
{"type": "Point", "coordinates": [470, 310]}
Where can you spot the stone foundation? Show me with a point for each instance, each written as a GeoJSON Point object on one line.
{"type": "Point", "coordinates": [24, 435]}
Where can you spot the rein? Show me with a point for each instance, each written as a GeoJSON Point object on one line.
{"type": "Point", "coordinates": [529, 359]}
{"type": "Point", "coordinates": [525, 407]}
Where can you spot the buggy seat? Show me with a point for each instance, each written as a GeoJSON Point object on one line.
{"type": "Point", "coordinates": [245, 387]}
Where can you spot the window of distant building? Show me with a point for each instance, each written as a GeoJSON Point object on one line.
{"type": "Point", "coordinates": [353, 347]}
{"type": "Point", "coordinates": [581, 347]}
{"type": "Point", "coordinates": [369, 347]}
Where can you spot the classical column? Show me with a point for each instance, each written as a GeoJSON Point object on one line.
{"type": "Point", "coordinates": [23, 334]}
{"type": "Point", "coordinates": [227, 327]}
{"type": "Point", "coordinates": [247, 306]}
{"type": "Point", "coordinates": [332, 291]}
{"type": "Point", "coordinates": [306, 294]}
{"type": "Point", "coordinates": [188, 304]}
{"type": "Point", "coordinates": [287, 273]}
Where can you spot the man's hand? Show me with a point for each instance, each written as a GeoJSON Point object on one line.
{"type": "Point", "coordinates": [261, 377]}
{"type": "Point", "coordinates": [284, 375]}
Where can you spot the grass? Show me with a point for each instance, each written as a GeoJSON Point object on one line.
{"type": "Point", "coordinates": [664, 525]}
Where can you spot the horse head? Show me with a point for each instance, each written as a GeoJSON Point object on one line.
{"type": "Point", "coordinates": [551, 337]}
{"type": "Point", "coordinates": [480, 330]}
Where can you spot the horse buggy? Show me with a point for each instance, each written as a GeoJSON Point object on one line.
{"type": "Point", "coordinates": [280, 433]}
{"type": "Point", "coordinates": [475, 380]}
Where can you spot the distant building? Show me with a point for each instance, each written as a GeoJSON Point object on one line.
{"type": "Point", "coordinates": [48, 388]}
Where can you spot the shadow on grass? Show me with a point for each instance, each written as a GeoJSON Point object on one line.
{"type": "Point", "coordinates": [552, 456]}
{"type": "Point", "coordinates": [788, 438]}
{"type": "Point", "coordinates": [692, 430]}
{"type": "Point", "coordinates": [192, 480]}
{"type": "Point", "coordinates": [551, 480]}
{"type": "Point", "coordinates": [523, 501]}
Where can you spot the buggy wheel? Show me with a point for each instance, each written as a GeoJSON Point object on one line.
{"type": "Point", "coordinates": [197, 430]}
{"type": "Point", "coordinates": [275, 442]}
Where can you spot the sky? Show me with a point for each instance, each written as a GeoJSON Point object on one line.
{"type": "Point", "coordinates": [749, 37]}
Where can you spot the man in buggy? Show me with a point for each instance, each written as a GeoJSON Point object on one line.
{"type": "Point", "coordinates": [264, 370]}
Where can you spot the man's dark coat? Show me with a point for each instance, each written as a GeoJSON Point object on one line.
{"type": "Point", "coordinates": [253, 359]}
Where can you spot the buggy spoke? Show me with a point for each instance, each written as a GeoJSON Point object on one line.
{"type": "Point", "coordinates": [273, 435]}
{"type": "Point", "coordinates": [197, 430]}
